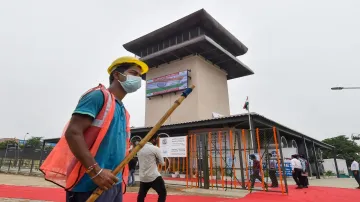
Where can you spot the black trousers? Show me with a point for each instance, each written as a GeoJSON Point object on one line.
{"type": "Point", "coordinates": [253, 177]}
{"type": "Point", "coordinates": [298, 177]}
{"type": "Point", "coordinates": [273, 178]}
{"type": "Point", "coordinates": [357, 177]}
{"type": "Point", "coordinates": [158, 185]}
{"type": "Point", "coordinates": [305, 180]}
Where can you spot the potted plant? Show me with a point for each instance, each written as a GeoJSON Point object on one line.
{"type": "Point", "coordinates": [328, 174]}
{"type": "Point", "coordinates": [216, 173]}
{"type": "Point", "coordinates": [195, 174]}
{"type": "Point", "coordinates": [229, 175]}
{"type": "Point", "coordinates": [182, 175]}
{"type": "Point", "coordinates": [173, 175]}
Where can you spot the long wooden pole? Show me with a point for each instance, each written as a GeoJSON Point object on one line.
{"type": "Point", "coordinates": [260, 159]}
{"type": "Point", "coordinates": [278, 159]}
{"type": "Point", "coordinates": [245, 157]}
{"type": "Point", "coordinates": [146, 139]}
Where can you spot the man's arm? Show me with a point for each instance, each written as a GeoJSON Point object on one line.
{"type": "Point", "coordinates": [160, 158]}
{"type": "Point", "coordinates": [75, 138]}
{"type": "Point", "coordinates": [85, 112]}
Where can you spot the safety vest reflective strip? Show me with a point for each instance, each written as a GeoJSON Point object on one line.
{"type": "Point", "coordinates": [61, 167]}
{"type": "Point", "coordinates": [126, 169]}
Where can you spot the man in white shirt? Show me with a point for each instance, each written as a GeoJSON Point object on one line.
{"type": "Point", "coordinates": [296, 169]}
{"type": "Point", "coordinates": [149, 157]}
{"type": "Point", "coordinates": [355, 171]}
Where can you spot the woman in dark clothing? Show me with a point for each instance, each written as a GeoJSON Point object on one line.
{"type": "Point", "coordinates": [272, 171]}
{"type": "Point", "coordinates": [132, 167]}
{"type": "Point", "coordinates": [304, 173]}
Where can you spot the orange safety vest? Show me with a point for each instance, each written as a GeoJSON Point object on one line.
{"type": "Point", "coordinates": [61, 166]}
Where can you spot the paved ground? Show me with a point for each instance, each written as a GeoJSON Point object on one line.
{"type": "Point", "coordinates": [20, 180]}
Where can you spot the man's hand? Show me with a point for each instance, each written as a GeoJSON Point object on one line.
{"type": "Point", "coordinates": [355, 172]}
{"type": "Point", "coordinates": [105, 180]}
{"type": "Point", "coordinates": [293, 171]}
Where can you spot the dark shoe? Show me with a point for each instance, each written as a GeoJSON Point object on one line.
{"type": "Point", "coordinates": [306, 187]}
{"type": "Point", "coordinates": [299, 187]}
{"type": "Point", "coordinates": [275, 186]}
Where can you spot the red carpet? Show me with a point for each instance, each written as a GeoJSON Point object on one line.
{"type": "Point", "coordinates": [315, 194]}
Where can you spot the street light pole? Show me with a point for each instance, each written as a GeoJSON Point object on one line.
{"type": "Point", "coordinates": [25, 137]}
{"type": "Point", "coordinates": [18, 150]}
{"type": "Point", "coordinates": [345, 88]}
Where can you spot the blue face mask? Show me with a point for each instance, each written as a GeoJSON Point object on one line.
{"type": "Point", "coordinates": [132, 83]}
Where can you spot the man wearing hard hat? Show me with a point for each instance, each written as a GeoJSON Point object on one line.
{"type": "Point", "coordinates": [97, 137]}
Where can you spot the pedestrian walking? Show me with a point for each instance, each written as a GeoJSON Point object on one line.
{"type": "Point", "coordinates": [132, 168]}
{"type": "Point", "coordinates": [296, 169]}
{"type": "Point", "coordinates": [355, 170]}
{"type": "Point", "coordinates": [149, 157]}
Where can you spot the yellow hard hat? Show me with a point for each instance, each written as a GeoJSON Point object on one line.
{"type": "Point", "coordinates": [129, 59]}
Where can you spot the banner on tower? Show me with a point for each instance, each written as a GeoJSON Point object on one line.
{"type": "Point", "coordinates": [166, 84]}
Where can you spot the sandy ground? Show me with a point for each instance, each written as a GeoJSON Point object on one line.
{"type": "Point", "coordinates": [20, 180]}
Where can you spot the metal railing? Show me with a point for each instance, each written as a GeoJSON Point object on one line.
{"type": "Point", "coordinates": [20, 166]}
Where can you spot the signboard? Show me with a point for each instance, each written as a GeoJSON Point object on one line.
{"type": "Point", "coordinates": [22, 142]}
{"type": "Point", "coordinates": [173, 146]}
{"type": "Point", "coordinates": [166, 84]}
{"type": "Point", "coordinates": [50, 144]}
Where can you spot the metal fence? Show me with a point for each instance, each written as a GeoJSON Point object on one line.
{"type": "Point", "coordinates": [219, 159]}
{"type": "Point", "coordinates": [22, 161]}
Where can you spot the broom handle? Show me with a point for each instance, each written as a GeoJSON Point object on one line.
{"type": "Point", "coordinates": [146, 139]}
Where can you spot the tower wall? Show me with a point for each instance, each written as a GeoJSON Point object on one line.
{"type": "Point", "coordinates": [210, 94]}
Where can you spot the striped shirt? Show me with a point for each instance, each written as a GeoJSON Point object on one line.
{"type": "Point", "coordinates": [272, 164]}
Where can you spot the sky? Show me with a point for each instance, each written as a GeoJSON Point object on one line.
{"type": "Point", "coordinates": [53, 51]}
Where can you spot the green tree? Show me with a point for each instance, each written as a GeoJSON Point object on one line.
{"type": "Point", "coordinates": [48, 148]}
{"type": "Point", "coordinates": [345, 148]}
{"type": "Point", "coordinates": [34, 142]}
{"type": "Point", "coordinates": [5, 143]}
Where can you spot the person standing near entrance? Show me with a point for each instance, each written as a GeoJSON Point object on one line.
{"type": "Point", "coordinates": [272, 171]}
{"type": "Point", "coordinates": [132, 168]}
{"type": "Point", "coordinates": [296, 169]}
{"type": "Point", "coordinates": [149, 157]}
{"type": "Point", "coordinates": [355, 171]}
{"type": "Point", "coordinates": [304, 174]}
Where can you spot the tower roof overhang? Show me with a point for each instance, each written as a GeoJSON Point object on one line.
{"type": "Point", "coordinates": [199, 18]}
{"type": "Point", "coordinates": [204, 47]}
